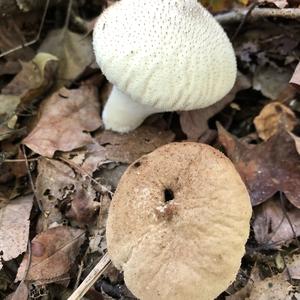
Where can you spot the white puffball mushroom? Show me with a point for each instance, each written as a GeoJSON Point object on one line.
{"type": "Point", "coordinates": [161, 55]}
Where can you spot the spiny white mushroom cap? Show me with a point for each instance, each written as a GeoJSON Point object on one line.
{"type": "Point", "coordinates": [169, 54]}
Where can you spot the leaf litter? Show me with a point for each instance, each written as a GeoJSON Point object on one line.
{"type": "Point", "coordinates": [52, 95]}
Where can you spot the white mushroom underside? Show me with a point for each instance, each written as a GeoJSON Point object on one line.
{"type": "Point", "coordinates": [122, 114]}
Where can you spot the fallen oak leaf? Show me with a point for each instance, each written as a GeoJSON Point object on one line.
{"type": "Point", "coordinates": [14, 229]}
{"type": "Point", "coordinates": [65, 120]}
{"type": "Point", "coordinates": [266, 168]}
{"type": "Point", "coordinates": [53, 252]}
{"type": "Point", "coordinates": [272, 118]}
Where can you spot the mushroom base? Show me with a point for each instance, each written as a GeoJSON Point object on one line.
{"type": "Point", "coordinates": [121, 114]}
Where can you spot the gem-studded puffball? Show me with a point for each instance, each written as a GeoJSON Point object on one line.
{"type": "Point", "coordinates": [178, 223]}
{"type": "Point", "coordinates": [168, 54]}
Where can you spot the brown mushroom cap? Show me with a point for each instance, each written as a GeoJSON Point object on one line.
{"type": "Point", "coordinates": [178, 223]}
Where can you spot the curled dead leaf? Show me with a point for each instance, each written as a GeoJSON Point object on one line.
{"type": "Point", "coordinates": [273, 117]}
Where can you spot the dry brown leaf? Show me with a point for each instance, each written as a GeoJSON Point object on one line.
{"type": "Point", "coordinates": [55, 181]}
{"type": "Point", "coordinates": [83, 208]}
{"type": "Point", "coordinates": [53, 253]}
{"type": "Point", "coordinates": [130, 146]}
{"type": "Point", "coordinates": [65, 119]}
{"type": "Point", "coordinates": [295, 80]}
{"type": "Point", "coordinates": [266, 168]}
{"type": "Point", "coordinates": [89, 158]}
{"type": "Point", "coordinates": [73, 50]}
{"type": "Point", "coordinates": [194, 123]}
{"type": "Point", "coordinates": [35, 78]}
{"type": "Point", "coordinates": [14, 229]}
{"type": "Point", "coordinates": [271, 226]}
{"type": "Point", "coordinates": [273, 117]}
{"type": "Point", "coordinates": [60, 190]}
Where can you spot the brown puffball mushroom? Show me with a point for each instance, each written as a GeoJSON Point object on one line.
{"type": "Point", "coordinates": [178, 223]}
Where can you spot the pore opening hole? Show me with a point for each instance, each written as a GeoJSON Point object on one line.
{"type": "Point", "coordinates": [169, 195]}
{"type": "Point", "coordinates": [137, 164]}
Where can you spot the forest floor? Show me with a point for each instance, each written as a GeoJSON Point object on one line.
{"type": "Point", "coordinates": [60, 167]}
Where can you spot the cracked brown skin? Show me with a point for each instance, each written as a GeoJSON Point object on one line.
{"type": "Point", "coordinates": [189, 247]}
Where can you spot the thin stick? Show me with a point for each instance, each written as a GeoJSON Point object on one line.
{"type": "Point", "coordinates": [257, 13]}
{"type": "Point", "coordinates": [91, 278]}
{"type": "Point", "coordinates": [35, 39]}
{"type": "Point", "coordinates": [31, 180]}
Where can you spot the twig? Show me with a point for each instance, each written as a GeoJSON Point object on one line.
{"type": "Point", "coordinates": [91, 278]}
{"type": "Point", "coordinates": [247, 15]}
{"type": "Point", "coordinates": [238, 15]}
{"type": "Point", "coordinates": [19, 160]}
{"type": "Point", "coordinates": [35, 39]}
{"type": "Point", "coordinates": [31, 181]}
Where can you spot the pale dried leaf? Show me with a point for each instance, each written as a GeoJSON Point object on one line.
{"type": "Point", "coordinates": [273, 117]}
{"type": "Point", "coordinates": [273, 288]}
{"type": "Point", "coordinates": [21, 293]}
{"type": "Point", "coordinates": [65, 119]}
{"type": "Point", "coordinates": [53, 253]}
{"type": "Point", "coordinates": [73, 50]}
{"type": "Point", "coordinates": [295, 80]}
{"type": "Point", "coordinates": [293, 266]}
{"type": "Point", "coordinates": [14, 227]}
{"type": "Point", "coordinates": [277, 3]}
{"type": "Point", "coordinates": [271, 226]}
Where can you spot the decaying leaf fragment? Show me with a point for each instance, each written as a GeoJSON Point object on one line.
{"type": "Point", "coordinates": [64, 192]}
{"type": "Point", "coordinates": [130, 146]}
{"type": "Point", "coordinates": [14, 227]}
{"type": "Point", "coordinates": [65, 120]}
{"type": "Point", "coordinates": [295, 80]}
{"type": "Point", "coordinates": [272, 227]}
{"type": "Point", "coordinates": [34, 79]}
{"type": "Point", "coordinates": [52, 254]}
{"type": "Point", "coordinates": [273, 117]}
{"type": "Point", "coordinates": [266, 168]}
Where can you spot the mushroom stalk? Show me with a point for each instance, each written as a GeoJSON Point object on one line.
{"type": "Point", "coordinates": [122, 114]}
